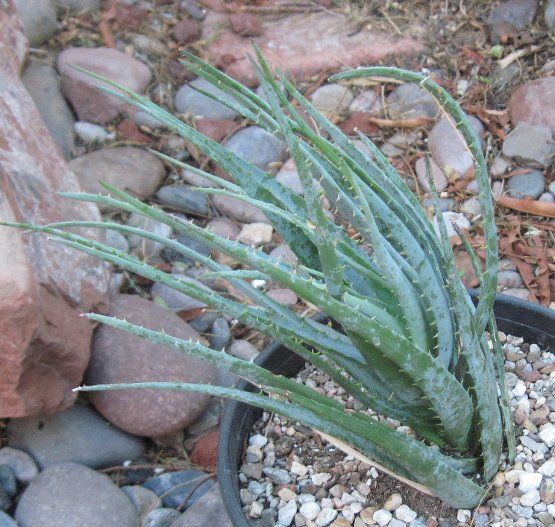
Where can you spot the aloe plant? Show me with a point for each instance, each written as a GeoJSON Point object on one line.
{"type": "Point", "coordinates": [411, 347]}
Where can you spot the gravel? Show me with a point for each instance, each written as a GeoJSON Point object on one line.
{"type": "Point", "coordinates": [307, 482]}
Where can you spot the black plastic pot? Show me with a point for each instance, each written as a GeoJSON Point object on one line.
{"type": "Point", "coordinates": [534, 323]}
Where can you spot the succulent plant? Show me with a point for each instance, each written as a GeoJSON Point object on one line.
{"type": "Point", "coordinates": [410, 345]}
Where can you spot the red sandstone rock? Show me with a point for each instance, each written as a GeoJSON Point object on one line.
{"type": "Point", "coordinates": [44, 286]}
{"type": "Point", "coordinates": [301, 45]}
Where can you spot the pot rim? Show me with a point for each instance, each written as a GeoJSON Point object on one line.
{"type": "Point", "coordinates": [514, 316]}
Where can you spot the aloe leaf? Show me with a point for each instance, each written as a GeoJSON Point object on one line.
{"type": "Point", "coordinates": [448, 104]}
{"type": "Point", "coordinates": [425, 465]}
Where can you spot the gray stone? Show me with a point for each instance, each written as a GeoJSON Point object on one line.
{"type": "Point", "coordinates": [256, 145]}
{"type": "Point", "coordinates": [43, 84]}
{"type": "Point", "coordinates": [365, 102]}
{"type": "Point", "coordinates": [512, 16]}
{"type": "Point", "coordinates": [220, 334]}
{"type": "Point", "coordinates": [289, 177]}
{"type": "Point", "coordinates": [194, 9]}
{"type": "Point", "coordinates": [205, 321]}
{"type": "Point", "coordinates": [471, 207]}
{"type": "Point", "coordinates": [243, 349]}
{"type": "Point", "coordinates": [77, 5]}
{"type": "Point", "coordinates": [118, 356]}
{"type": "Point", "coordinates": [188, 100]}
{"type": "Point", "coordinates": [209, 511]}
{"type": "Point", "coordinates": [6, 521]}
{"type": "Point", "coordinates": [8, 481]}
{"type": "Point", "coordinates": [196, 180]}
{"type": "Point", "coordinates": [78, 435]}
{"type": "Point", "coordinates": [183, 198]}
{"type": "Point", "coordinates": [438, 176]}
{"type": "Point", "coordinates": [530, 184]}
{"type": "Point", "coordinates": [410, 101]}
{"type": "Point", "coordinates": [175, 300]}
{"type": "Point", "coordinates": [449, 219]}
{"type": "Point", "coordinates": [145, 119]}
{"type": "Point", "coordinates": [547, 197]}
{"type": "Point", "coordinates": [239, 210]}
{"type": "Point", "coordinates": [116, 240]}
{"type": "Point", "coordinates": [181, 488]}
{"type": "Point", "coordinates": [145, 247]}
{"type": "Point", "coordinates": [287, 513]}
{"type": "Point", "coordinates": [284, 253]}
{"type": "Point", "coordinates": [71, 491]}
{"type": "Point", "coordinates": [278, 476]}
{"type": "Point", "coordinates": [530, 144]}
{"type": "Point", "coordinates": [38, 18]}
{"type": "Point", "coordinates": [160, 518]}
{"type": "Point", "coordinates": [21, 463]}
{"type": "Point", "coordinates": [143, 499]}
{"type": "Point", "coordinates": [170, 255]}
{"type": "Point", "coordinates": [133, 170]}
{"type": "Point", "coordinates": [332, 98]}
{"type": "Point", "coordinates": [91, 133]}
{"type": "Point", "coordinates": [449, 150]}
{"type": "Point", "coordinates": [445, 204]}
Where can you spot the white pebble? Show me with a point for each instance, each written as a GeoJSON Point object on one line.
{"type": "Point", "coordinates": [520, 389]}
{"type": "Point", "coordinates": [529, 481]}
{"type": "Point", "coordinates": [548, 468]}
{"type": "Point", "coordinates": [325, 517]}
{"type": "Point", "coordinates": [287, 513]}
{"type": "Point", "coordinates": [531, 498]}
{"type": "Point", "coordinates": [256, 509]}
{"type": "Point", "coordinates": [320, 478]}
{"type": "Point", "coordinates": [405, 513]}
{"type": "Point", "coordinates": [258, 440]}
{"type": "Point", "coordinates": [310, 510]}
{"type": "Point", "coordinates": [91, 133]}
{"type": "Point", "coordinates": [393, 502]}
{"type": "Point", "coordinates": [298, 469]}
{"type": "Point", "coordinates": [547, 435]}
{"type": "Point", "coordinates": [382, 517]}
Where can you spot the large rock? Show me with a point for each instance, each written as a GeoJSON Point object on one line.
{"type": "Point", "coordinates": [13, 43]}
{"type": "Point", "coordinates": [89, 103]}
{"type": "Point", "coordinates": [44, 343]}
{"type": "Point", "coordinates": [118, 356]}
{"type": "Point", "coordinates": [302, 45]}
{"type": "Point", "coordinates": [511, 17]}
{"type": "Point", "coordinates": [43, 84]}
{"type": "Point", "coordinates": [78, 435]}
{"type": "Point", "coordinates": [71, 494]}
{"type": "Point", "coordinates": [38, 18]}
{"type": "Point", "coordinates": [532, 101]}
{"type": "Point", "coordinates": [127, 168]}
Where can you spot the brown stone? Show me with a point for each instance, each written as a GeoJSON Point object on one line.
{"type": "Point", "coordinates": [217, 129]}
{"type": "Point", "coordinates": [118, 356]}
{"type": "Point", "coordinates": [133, 170]}
{"type": "Point", "coordinates": [302, 45]}
{"type": "Point", "coordinates": [87, 100]}
{"type": "Point", "coordinates": [44, 343]}
{"type": "Point", "coordinates": [186, 31]}
{"type": "Point", "coordinates": [205, 451]}
{"type": "Point", "coordinates": [528, 104]}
